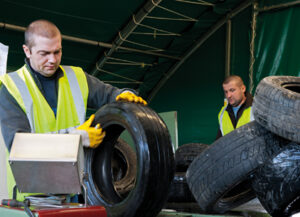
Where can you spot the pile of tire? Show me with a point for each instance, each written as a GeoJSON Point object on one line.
{"type": "Point", "coordinates": [260, 159]}
{"type": "Point", "coordinates": [184, 155]}
{"type": "Point", "coordinates": [130, 181]}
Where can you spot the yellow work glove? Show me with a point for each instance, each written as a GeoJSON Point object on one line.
{"type": "Point", "coordinates": [95, 134]}
{"type": "Point", "coordinates": [130, 97]}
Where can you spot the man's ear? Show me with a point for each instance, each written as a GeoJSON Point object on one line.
{"type": "Point", "coordinates": [243, 88]}
{"type": "Point", "coordinates": [27, 51]}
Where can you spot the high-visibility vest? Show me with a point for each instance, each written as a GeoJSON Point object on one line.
{"type": "Point", "coordinates": [71, 105]}
{"type": "Point", "coordinates": [225, 123]}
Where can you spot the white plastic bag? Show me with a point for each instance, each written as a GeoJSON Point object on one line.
{"type": "Point", "coordinates": [3, 58]}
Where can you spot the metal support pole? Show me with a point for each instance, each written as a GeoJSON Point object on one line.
{"type": "Point", "coordinates": [252, 46]}
{"type": "Point", "coordinates": [228, 49]}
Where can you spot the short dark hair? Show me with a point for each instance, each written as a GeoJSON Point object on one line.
{"type": "Point", "coordinates": [236, 78]}
{"type": "Point", "coordinates": [43, 28]}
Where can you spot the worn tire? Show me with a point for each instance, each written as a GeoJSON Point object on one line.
{"type": "Point", "coordinates": [277, 182]}
{"type": "Point", "coordinates": [276, 105]}
{"type": "Point", "coordinates": [155, 161]}
{"type": "Point", "coordinates": [123, 167]}
{"type": "Point", "coordinates": [219, 177]}
{"type": "Point", "coordinates": [186, 153]}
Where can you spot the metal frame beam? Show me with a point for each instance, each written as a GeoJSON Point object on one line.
{"type": "Point", "coordinates": [91, 42]}
{"type": "Point", "coordinates": [125, 33]}
{"type": "Point", "coordinates": [279, 6]}
{"type": "Point", "coordinates": [198, 44]}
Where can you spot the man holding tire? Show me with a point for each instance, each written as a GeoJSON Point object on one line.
{"type": "Point", "coordinates": [46, 97]}
{"type": "Point", "coordinates": [237, 106]}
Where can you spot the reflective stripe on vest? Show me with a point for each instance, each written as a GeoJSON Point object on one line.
{"type": "Point", "coordinates": [25, 96]}
{"type": "Point", "coordinates": [225, 123]}
{"type": "Point", "coordinates": [76, 93]}
{"type": "Point", "coordinates": [73, 95]}
{"type": "Point", "coordinates": [73, 92]}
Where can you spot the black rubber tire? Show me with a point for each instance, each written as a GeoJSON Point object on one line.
{"type": "Point", "coordinates": [276, 106]}
{"type": "Point", "coordinates": [155, 161]}
{"type": "Point", "coordinates": [186, 153]}
{"type": "Point", "coordinates": [219, 177]}
{"type": "Point", "coordinates": [277, 182]}
{"type": "Point", "coordinates": [123, 167]}
{"type": "Point", "coordinates": [179, 191]}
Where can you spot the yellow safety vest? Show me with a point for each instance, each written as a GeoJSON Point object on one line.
{"type": "Point", "coordinates": [225, 123]}
{"type": "Point", "coordinates": [71, 105]}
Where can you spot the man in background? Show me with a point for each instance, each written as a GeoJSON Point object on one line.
{"type": "Point", "coordinates": [237, 106]}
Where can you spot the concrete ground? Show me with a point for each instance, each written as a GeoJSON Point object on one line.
{"type": "Point", "coordinates": [252, 208]}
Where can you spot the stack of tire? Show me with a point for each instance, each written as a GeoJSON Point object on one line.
{"type": "Point", "coordinates": [260, 159]}
{"type": "Point", "coordinates": [179, 190]}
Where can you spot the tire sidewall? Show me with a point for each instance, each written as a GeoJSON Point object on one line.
{"type": "Point", "coordinates": [155, 161]}
{"type": "Point", "coordinates": [117, 116]}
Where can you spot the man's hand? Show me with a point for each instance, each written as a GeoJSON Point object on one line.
{"type": "Point", "coordinates": [95, 134]}
{"type": "Point", "coordinates": [130, 97]}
